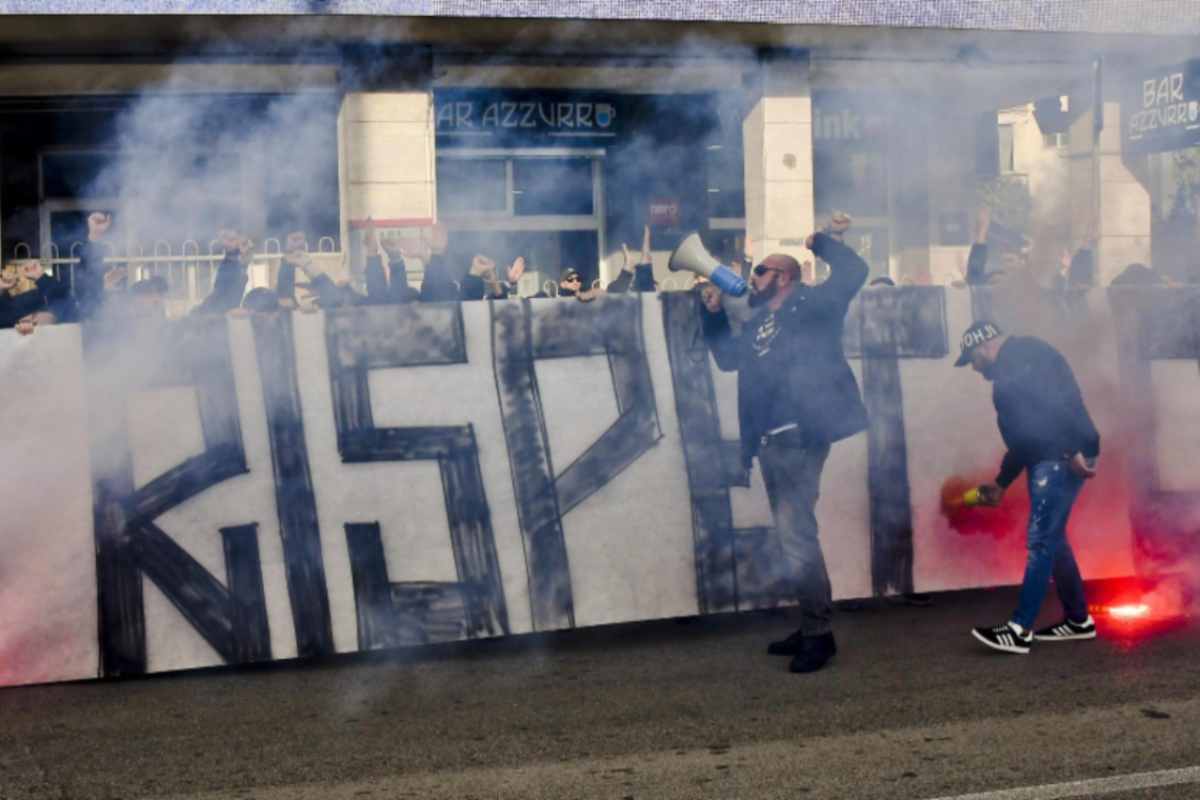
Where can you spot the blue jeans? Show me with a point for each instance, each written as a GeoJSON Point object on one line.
{"type": "Point", "coordinates": [1052, 491]}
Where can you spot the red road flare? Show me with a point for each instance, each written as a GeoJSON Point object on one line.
{"type": "Point", "coordinates": [1123, 611]}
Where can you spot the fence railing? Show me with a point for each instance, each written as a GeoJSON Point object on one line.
{"type": "Point", "coordinates": [189, 272]}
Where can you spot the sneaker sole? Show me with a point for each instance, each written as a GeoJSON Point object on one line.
{"type": "Point", "coordinates": [1075, 637]}
{"type": "Point", "coordinates": [1021, 651]}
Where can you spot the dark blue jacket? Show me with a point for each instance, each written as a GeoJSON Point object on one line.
{"type": "Point", "coordinates": [228, 286]}
{"type": "Point", "coordinates": [791, 364]}
{"type": "Point", "coordinates": [1039, 407]}
{"type": "Point", "coordinates": [382, 290]}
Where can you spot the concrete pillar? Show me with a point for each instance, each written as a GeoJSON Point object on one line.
{"type": "Point", "coordinates": [386, 160]}
{"type": "Point", "coordinates": [1105, 189]}
{"type": "Point", "coordinates": [777, 141]}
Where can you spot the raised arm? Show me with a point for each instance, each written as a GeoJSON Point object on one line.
{"type": "Point", "coordinates": [377, 281]}
{"type": "Point", "coordinates": [88, 278]}
{"type": "Point", "coordinates": [978, 257]}
{"type": "Point", "coordinates": [230, 283]}
{"type": "Point", "coordinates": [847, 270]}
{"type": "Point", "coordinates": [718, 334]}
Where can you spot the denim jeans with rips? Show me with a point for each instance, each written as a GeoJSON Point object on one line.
{"type": "Point", "coordinates": [1052, 491]}
{"type": "Point", "coordinates": [792, 473]}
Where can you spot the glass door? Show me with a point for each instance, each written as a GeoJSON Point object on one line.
{"type": "Point", "coordinates": [546, 205]}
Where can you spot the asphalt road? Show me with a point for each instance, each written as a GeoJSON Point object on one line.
{"type": "Point", "coordinates": [911, 708]}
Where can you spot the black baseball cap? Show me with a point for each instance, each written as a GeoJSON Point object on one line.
{"type": "Point", "coordinates": [976, 334]}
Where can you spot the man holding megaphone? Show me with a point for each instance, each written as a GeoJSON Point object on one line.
{"type": "Point", "coordinates": [796, 397]}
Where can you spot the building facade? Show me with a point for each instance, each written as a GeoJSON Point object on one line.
{"type": "Point", "coordinates": [557, 140]}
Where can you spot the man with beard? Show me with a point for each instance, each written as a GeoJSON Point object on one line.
{"type": "Point", "coordinates": [1050, 435]}
{"type": "Point", "coordinates": [796, 397]}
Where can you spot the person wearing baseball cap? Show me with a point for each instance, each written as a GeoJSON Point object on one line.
{"type": "Point", "coordinates": [570, 283]}
{"type": "Point", "coordinates": [1050, 435]}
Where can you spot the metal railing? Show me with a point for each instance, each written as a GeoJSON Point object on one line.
{"type": "Point", "coordinates": [188, 272]}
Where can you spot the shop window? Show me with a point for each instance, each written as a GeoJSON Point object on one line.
{"type": "Point", "coordinates": [552, 186]}
{"type": "Point", "coordinates": [80, 175]}
{"type": "Point", "coordinates": [1062, 141]}
{"type": "Point", "coordinates": [472, 186]}
{"type": "Point", "coordinates": [504, 186]}
{"type": "Point", "coordinates": [852, 133]}
{"type": "Point", "coordinates": [725, 170]}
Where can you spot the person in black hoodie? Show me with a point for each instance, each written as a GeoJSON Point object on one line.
{"type": "Point", "coordinates": [1050, 435]}
{"type": "Point", "coordinates": [796, 397]}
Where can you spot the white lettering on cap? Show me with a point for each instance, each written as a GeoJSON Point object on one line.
{"type": "Point", "coordinates": [972, 338]}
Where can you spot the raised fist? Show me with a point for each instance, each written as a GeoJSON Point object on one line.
{"type": "Point", "coordinates": [295, 242]}
{"type": "Point", "coordinates": [839, 223]}
{"type": "Point", "coordinates": [229, 239]}
{"type": "Point", "coordinates": [482, 265]}
{"type": "Point", "coordinates": [98, 223]}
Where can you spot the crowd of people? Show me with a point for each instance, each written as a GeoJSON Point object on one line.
{"type": "Point", "coordinates": [30, 296]}
{"type": "Point", "coordinates": [1076, 270]}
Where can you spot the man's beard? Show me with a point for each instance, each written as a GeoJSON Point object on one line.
{"type": "Point", "coordinates": [565, 292]}
{"type": "Point", "coordinates": [988, 371]}
{"type": "Point", "coordinates": [758, 298]}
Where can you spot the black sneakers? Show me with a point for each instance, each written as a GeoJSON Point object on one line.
{"type": "Point", "coordinates": [1068, 631]}
{"type": "Point", "coordinates": [786, 647]}
{"type": "Point", "coordinates": [814, 653]}
{"type": "Point", "coordinates": [1004, 637]}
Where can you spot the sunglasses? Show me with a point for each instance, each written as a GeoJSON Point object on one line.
{"type": "Point", "coordinates": [763, 269]}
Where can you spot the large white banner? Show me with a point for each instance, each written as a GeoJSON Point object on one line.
{"type": "Point", "coordinates": [221, 491]}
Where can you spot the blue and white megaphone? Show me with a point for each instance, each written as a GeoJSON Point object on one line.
{"type": "Point", "coordinates": [691, 256]}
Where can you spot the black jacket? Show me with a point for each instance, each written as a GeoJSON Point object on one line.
{"type": "Point", "coordinates": [791, 364]}
{"type": "Point", "coordinates": [437, 286]}
{"type": "Point", "coordinates": [48, 295]}
{"type": "Point", "coordinates": [641, 279]}
{"type": "Point", "coordinates": [88, 281]}
{"type": "Point", "coordinates": [384, 288]}
{"type": "Point", "coordinates": [977, 274]}
{"type": "Point", "coordinates": [228, 286]}
{"type": "Point", "coordinates": [1039, 407]}
{"type": "Point", "coordinates": [473, 287]}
